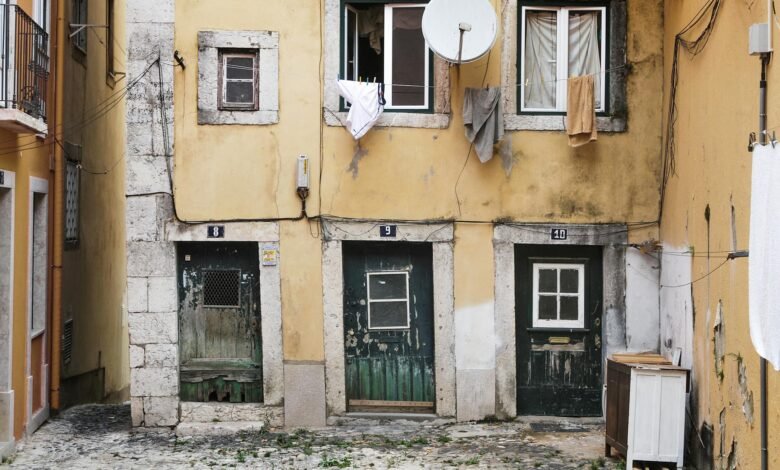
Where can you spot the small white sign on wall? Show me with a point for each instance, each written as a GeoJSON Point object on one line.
{"type": "Point", "coordinates": [270, 255]}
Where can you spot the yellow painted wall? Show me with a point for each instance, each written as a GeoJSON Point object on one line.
{"type": "Point", "coordinates": [718, 108]}
{"type": "Point", "coordinates": [227, 172]}
{"type": "Point", "coordinates": [93, 274]}
{"type": "Point", "coordinates": [33, 161]}
{"type": "Point", "coordinates": [25, 164]}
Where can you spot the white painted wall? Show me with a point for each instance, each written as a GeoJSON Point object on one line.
{"type": "Point", "coordinates": [475, 358]}
{"type": "Point", "coordinates": [676, 305]}
{"type": "Point", "coordinates": [643, 322]}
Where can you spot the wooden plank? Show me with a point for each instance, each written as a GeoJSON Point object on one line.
{"type": "Point", "coordinates": [626, 358]}
{"type": "Point", "coordinates": [386, 403]}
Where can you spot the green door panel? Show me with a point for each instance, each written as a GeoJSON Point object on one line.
{"type": "Point", "coordinates": [390, 363]}
{"type": "Point", "coordinates": [220, 347]}
{"type": "Point", "coordinates": [559, 370]}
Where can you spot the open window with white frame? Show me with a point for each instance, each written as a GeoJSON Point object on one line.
{"type": "Point", "coordinates": [558, 295]}
{"type": "Point", "coordinates": [388, 300]}
{"type": "Point", "coordinates": [238, 80]}
{"type": "Point", "coordinates": [383, 42]}
{"type": "Point", "coordinates": [556, 43]}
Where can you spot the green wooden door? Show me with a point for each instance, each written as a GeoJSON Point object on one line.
{"type": "Point", "coordinates": [219, 322]}
{"type": "Point", "coordinates": [388, 327]}
{"type": "Point", "coordinates": [559, 309]}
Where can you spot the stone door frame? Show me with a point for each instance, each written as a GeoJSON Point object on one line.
{"type": "Point", "coordinates": [441, 237]}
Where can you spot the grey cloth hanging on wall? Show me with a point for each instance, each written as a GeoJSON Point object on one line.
{"type": "Point", "coordinates": [484, 119]}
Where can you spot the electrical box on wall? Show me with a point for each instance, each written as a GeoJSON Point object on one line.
{"type": "Point", "coordinates": [303, 172]}
{"type": "Point", "coordinates": [759, 39]}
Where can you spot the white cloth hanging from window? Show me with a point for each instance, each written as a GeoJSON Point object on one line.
{"type": "Point", "coordinates": [584, 54]}
{"type": "Point", "coordinates": [764, 265]}
{"type": "Point", "coordinates": [542, 78]}
{"type": "Point", "coordinates": [366, 105]}
{"type": "Point", "coordinates": [541, 51]}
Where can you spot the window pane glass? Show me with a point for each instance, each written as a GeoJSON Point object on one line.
{"type": "Point", "coordinates": [388, 315]}
{"type": "Point", "coordinates": [585, 47]}
{"type": "Point", "coordinates": [241, 68]}
{"type": "Point", "coordinates": [548, 280]}
{"type": "Point", "coordinates": [570, 281]}
{"type": "Point", "coordinates": [548, 307]}
{"type": "Point", "coordinates": [408, 57]}
{"type": "Point", "coordinates": [239, 92]}
{"type": "Point", "coordinates": [570, 308]}
{"type": "Point", "coordinates": [541, 59]}
{"type": "Point", "coordinates": [387, 286]}
{"type": "Point", "coordinates": [351, 56]}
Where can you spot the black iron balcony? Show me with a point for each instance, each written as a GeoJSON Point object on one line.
{"type": "Point", "coordinates": [24, 70]}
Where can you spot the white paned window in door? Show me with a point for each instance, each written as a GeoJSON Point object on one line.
{"type": "Point", "coordinates": [558, 43]}
{"type": "Point", "coordinates": [558, 295]}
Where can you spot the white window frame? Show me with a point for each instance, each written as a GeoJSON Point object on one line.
{"type": "Point", "coordinates": [388, 54]}
{"type": "Point", "coordinates": [541, 323]}
{"type": "Point", "coordinates": [228, 105]}
{"type": "Point", "coordinates": [370, 300]}
{"type": "Point", "coordinates": [563, 56]}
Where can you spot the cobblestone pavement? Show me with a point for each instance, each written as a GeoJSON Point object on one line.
{"type": "Point", "coordinates": [100, 436]}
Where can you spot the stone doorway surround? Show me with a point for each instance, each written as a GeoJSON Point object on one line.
{"type": "Point", "coordinates": [153, 324]}
{"type": "Point", "coordinates": [7, 205]}
{"type": "Point", "coordinates": [613, 239]}
{"type": "Point", "coordinates": [441, 236]}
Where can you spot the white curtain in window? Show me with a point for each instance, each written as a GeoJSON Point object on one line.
{"type": "Point", "coordinates": [584, 53]}
{"type": "Point", "coordinates": [540, 68]}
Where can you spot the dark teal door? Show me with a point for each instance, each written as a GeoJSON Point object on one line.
{"type": "Point", "coordinates": [219, 322]}
{"type": "Point", "coordinates": [559, 308]}
{"type": "Point", "coordinates": [388, 326]}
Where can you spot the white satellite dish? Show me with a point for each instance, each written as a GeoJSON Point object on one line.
{"type": "Point", "coordinates": [460, 30]}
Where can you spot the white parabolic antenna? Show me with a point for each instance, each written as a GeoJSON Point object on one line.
{"type": "Point", "coordinates": [459, 30]}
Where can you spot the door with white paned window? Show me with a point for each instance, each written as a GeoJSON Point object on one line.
{"type": "Point", "coordinates": [559, 311]}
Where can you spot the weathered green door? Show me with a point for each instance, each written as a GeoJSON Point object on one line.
{"type": "Point", "coordinates": [559, 304]}
{"type": "Point", "coordinates": [388, 327]}
{"type": "Point", "coordinates": [219, 322]}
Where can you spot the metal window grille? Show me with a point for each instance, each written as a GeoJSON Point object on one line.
{"type": "Point", "coordinates": [67, 341]}
{"type": "Point", "coordinates": [222, 288]}
{"type": "Point", "coordinates": [71, 201]}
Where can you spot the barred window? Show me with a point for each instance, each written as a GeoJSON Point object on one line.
{"type": "Point", "coordinates": [71, 202]}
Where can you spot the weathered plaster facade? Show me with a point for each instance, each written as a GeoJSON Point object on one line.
{"type": "Point", "coordinates": [706, 215]}
{"type": "Point", "coordinates": [409, 172]}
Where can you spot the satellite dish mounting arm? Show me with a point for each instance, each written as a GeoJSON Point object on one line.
{"type": "Point", "coordinates": [463, 28]}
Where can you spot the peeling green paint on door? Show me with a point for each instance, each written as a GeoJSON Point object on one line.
{"type": "Point", "coordinates": [219, 322]}
{"type": "Point", "coordinates": [389, 357]}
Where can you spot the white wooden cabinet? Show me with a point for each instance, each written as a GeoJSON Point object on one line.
{"type": "Point", "coordinates": [656, 417]}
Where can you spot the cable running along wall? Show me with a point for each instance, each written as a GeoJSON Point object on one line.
{"type": "Point", "coordinates": [707, 16]}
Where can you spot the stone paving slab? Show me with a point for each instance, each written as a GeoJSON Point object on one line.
{"type": "Point", "coordinates": [100, 436]}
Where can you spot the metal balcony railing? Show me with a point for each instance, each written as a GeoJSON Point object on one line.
{"type": "Point", "coordinates": [24, 62]}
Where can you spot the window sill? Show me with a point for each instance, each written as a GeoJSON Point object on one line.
{"type": "Point", "coordinates": [396, 119]}
{"type": "Point", "coordinates": [530, 122]}
{"type": "Point", "coordinates": [247, 118]}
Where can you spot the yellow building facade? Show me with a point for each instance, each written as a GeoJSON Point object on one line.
{"type": "Point", "coordinates": [409, 205]}
{"type": "Point", "coordinates": [706, 215]}
{"type": "Point", "coordinates": [27, 227]}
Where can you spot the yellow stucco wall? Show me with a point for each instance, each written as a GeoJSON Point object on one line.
{"type": "Point", "coordinates": [31, 162]}
{"type": "Point", "coordinates": [93, 273]}
{"type": "Point", "coordinates": [25, 164]}
{"type": "Point", "coordinates": [718, 108]}
{"type": "Point", "coordinates": [225, 172]}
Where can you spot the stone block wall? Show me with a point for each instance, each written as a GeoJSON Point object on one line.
{"type": "Point", "coordinates": [151, 261]}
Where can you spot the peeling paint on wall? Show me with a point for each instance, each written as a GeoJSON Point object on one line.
{"type": "Point", "coordinates": [718, 341]}
{"type": "Point", "coordinates": [745, 392]}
